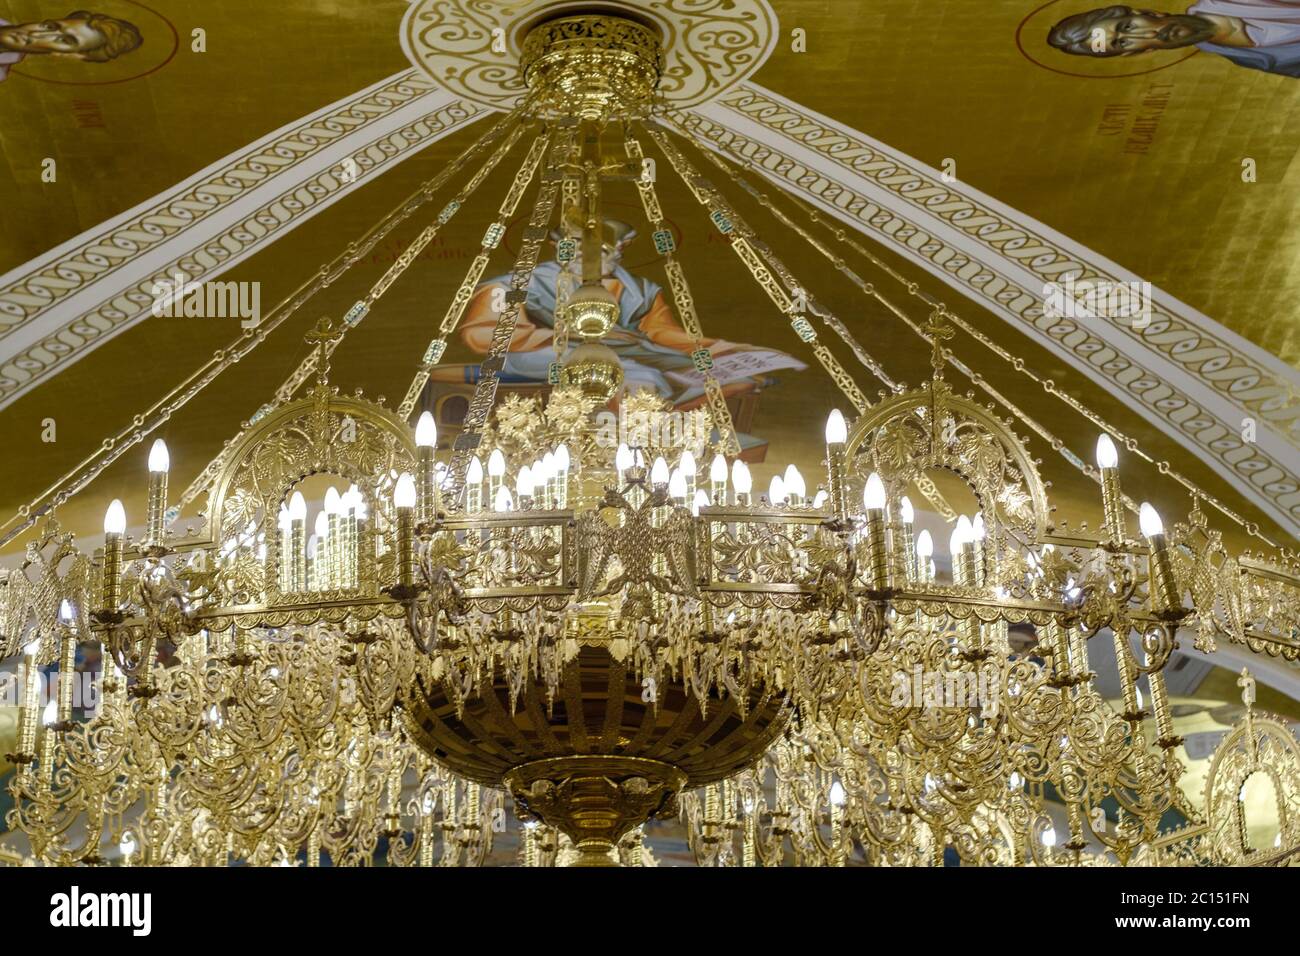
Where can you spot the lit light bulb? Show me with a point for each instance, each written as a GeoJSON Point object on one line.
{"type": "Point", "coordinates": [426, 431]}
{"type": "Point", "coordinates": [474, 473]}
{"type": "Point", "coordinates": [159, 460]}
{"type": "Point", "coordinates": [701, 501]}
{"type": "Point", "coordinates": [905, 511]}
{"type": "Point", "coordinates": [837, 795]}
{"type": "Point", "coordinates": [1049, 837]}
{"type": "Point", "coordinates": [977, 527]}
{"type": "Point", "coordinates": [677, 484]}
{"type": "Point", "coordinates": [623, 458]}
{"type": "Point", "coordinates": [115, 518]}
{"type": "Point", "coordinates": [687, 464]}
{"type": "Point", "coordinates": [924, 545]}
{"type": "Point", "coordinates": [776, 491]}
{"type": "Point", "coordinates": [1141, 701]}
{"type": "Point", "coordinates": [333, 501]}
{"type": "Point", "coordinates": [1149, 520]}
{"type": "Point", "coordinates": [549, 468]}
{"type": "Point", "coordinates": [322, 527]}
{"type": "Point", "coordinates": [524, 482]}
{"type": "Point", "coordinates": [962, 535]}
{"type": "Point", "coordinates": [50, 715]}
{"type": "Point", "coordinates": [659, 472]}
{"type": "Point", "coordinates": [562, 458]}
{"type": "Point", "coordinates": [503, 500]}
{"type": "Point", "coordinates": [496, 463]}
{"type": "Point", "coordinates": [297, 507]}
{"type": "Point", "coordinates": [285, 522]}
{"type": "Point", "coordinates": [718, 470]}
{"type": "Point", "coordinates": [1015, 782]}
{"type": "Point", "coordinates": [66, 613]}
{"type": "Point", "coordinates": [873, 495]}
{"type": "Point", "coordinates": [740, 478]}
{"type": "Point", "coordinates": [404, 491]}
{"type": "Point", "coordinates": [820, 500]}
{"type": "Point", "coordinates": [1107, 456]}
{"type": "Point", "coordinates": [794, 483]}
{"type": "Point", "coordinates": [837, 433]}
{"type": "Point", "coordinates": [127, 845]}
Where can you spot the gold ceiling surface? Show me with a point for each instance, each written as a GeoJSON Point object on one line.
{"type": "Point", "coordinates": [1148, 170]}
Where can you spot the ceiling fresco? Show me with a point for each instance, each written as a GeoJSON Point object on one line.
{"type": "Point", "coordinates": [216, 138]}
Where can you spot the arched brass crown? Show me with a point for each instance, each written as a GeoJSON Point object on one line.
{"type": "Point", "coordinates": [593, 66]}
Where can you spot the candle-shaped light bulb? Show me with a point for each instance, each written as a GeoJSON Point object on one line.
{"type": "Point", "coordinates": [873, 494]}
{"type": "Point", "coordinates": [322, 527]}
{"type": "Point", "coordinates": [127, 846]}
{"type": "Point", "coordinates": [924, 551]}
{"type": "Point", "coordinates": [297, 541]}
{"type": "Point", "coordinates": [689, 470]}
{"type": "Point", "coordinates": [718, 480]}
{"type": "Point", "coordinates": [333, 502]}
{"type": "Point", "coordinates": [977, 527]}
{"type": "Point", "coordinates": [837, 795]}
{"type": "Point", "coordinates": [677, 486]}
{"type": "Point", "coordinates": [503, 501]}
{"type": "Point", "coordinates": [50, 715]}
{"type": "Point", "coordinates": [404, 491]}
{"type": "Point", "coordinates": [776, 491]}
{"type": "Point", "coordinates": [115, 518]}
{"type": "Point", "coordinates": [524, 484]}
{"type": "Point", "coordinates": [426, 444]}
{"type": "Point", "coordinates": [66, 614]}
{"type": "Point", "coordinates": [284, 521]}
{"type": "Point", "coordinates": [297, 507]}
{"type": "Point", "coordinates": [906, 513]}
{"type": "Point", "coordinates": [701, 501]}
{"type": "Point", "coordinates": [159, 460]}
{"type": "Point", "coordinates": [795, 487]}
{"type": "Point", "coordinates": [114, 528]}
{"type": "Point", "coordinates": [156, 509]}
{"type": "Point", "coordinates": [873, 500]}
{"type": "Point", "coordinates": [404, 500]}
{"type": "Point", "coordinates": [426, 431]}
{"type": "Point", "coordinates": [562, 459]}
{"type": "Point", "coordinates": [741, 482]}
{"type": "Point", "coordinates": [474, 485]}
{"type": "Point", "coordinates": [622, 459]}
{"type": "Point", "coordinates": [1163, 587]}
{"type": "Point", "coordinates": [659, 472]}
{"type": "Point", "coordinates": [819, 500]}
{"type": "Point", "coordinates": [837, 433]}
{"type": "Point", "coordinates": [963, 534]}
{"type": "Point", "coordinates": [1107, 456]}
{"type": "Point", "coordinates": [496, 464]}
{"type": "Point", "coordinates": [1149, 521]}
{"type": "Point", "coordinates": [904, 549]}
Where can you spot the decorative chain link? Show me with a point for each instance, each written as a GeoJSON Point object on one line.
{"type": "Point", "coordinates": [731, 225]}
{"type": "Point", "coordinates": [491, 239]}
{"type": "Point", "coordinates": [161, 411]}
{"type": "Point", "coordinates": [841, 234]}
{"type": "Point", "coordinates": [684, 306]}
{"type": "Point", "coordinates": [490, 368]}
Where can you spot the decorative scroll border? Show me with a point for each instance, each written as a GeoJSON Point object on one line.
{"type": "Point", "coordinates": [992, 254]}
{"type": "Point", "coordinates": [472, 48]}
{"type": "Point", "coordinates": [57, 308]}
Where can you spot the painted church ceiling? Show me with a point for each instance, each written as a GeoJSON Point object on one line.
{"type": "Point", "coordinates": [983, 151]}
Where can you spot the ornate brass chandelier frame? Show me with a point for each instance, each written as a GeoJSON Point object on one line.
{"type": "Point", "coordinates": [607, 639]}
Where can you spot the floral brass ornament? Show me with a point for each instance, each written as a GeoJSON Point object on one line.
{"type": "Point", "coordinates": [709, 46]}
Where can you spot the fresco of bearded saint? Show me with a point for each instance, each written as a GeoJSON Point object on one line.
{"type": "Point", "coordinates": [1258, 34]}
{"type": "Point", "coordinates": [652, 347]}
{"type": "Point", "coordinates": [81, 35]}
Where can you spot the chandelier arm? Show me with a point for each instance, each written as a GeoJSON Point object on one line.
{"type": "Point", "coordinates": [161, 411]}
{"type": "Point", "coordinates": [684, 303]}
{"type": "Point", "coordinates": [729, 223]}
{"type": "Point", "coordinates": [491, 240]}
{"type": "Point", "coordinates": [493, 362]}
{"type": "Point", "coordinates": [841, 235]}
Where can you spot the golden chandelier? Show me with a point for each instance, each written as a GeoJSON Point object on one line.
{"type": "Point", "coordinates": [586, 634]}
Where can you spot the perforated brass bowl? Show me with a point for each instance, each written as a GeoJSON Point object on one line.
{"type": "Point", "coordinates": [602, 759]}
